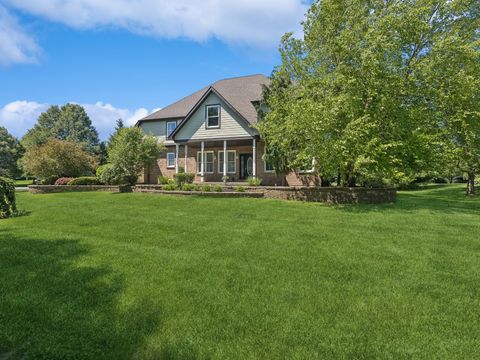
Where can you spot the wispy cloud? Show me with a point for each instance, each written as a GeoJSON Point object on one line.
{"type": "Point", "coordinates": [245, 22]}
{"type": "Point", "coordinates": [16, 46]}
{"type": "Point", "coordinates": [19, 116]}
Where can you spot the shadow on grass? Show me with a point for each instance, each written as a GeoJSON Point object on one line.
{"type": "Point", "coordinates": [438, 198]}
{"type": "Point", "coordinates": [53, 308]}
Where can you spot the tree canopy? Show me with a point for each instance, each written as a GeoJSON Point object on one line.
{"type": "Point", "coordinates": [129, 151]}
{"type": "Point", "coordinates": [57, 158]}
{"type": "Point", "coordinates": [356, 93]}
{"type": "Point", "coordinates": [69, 122]}
{"type": "Point", "coordinates": [10, 152]}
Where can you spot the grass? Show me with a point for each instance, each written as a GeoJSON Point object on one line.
{"type": "Point", "coordinates": [121, 276]}
{"type": "Point", "coordinates": [23, 183]}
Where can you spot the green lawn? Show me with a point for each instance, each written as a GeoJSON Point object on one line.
{"type": "Point", "coordinates": [121, 276]}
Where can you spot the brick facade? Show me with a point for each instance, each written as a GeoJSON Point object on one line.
{"type": "Point", "coordinates": [159, 168]}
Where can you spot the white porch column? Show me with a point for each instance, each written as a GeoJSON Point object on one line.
{"type": "Point", "coordinates": [177, 149]}
{"type": "Point", "coordinates": [202, 160]}
{"type": "Point", "coordinates": [186, 158]}
{"type": "Point", "coordinates": [225, 158]}
{"type": "Point", "coordinates": [254, 148]}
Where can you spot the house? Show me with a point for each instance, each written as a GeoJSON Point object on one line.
{"type": "Point", "coordinates": [212, 133]}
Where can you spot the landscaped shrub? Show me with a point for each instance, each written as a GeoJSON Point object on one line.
{"type": "Point", "coordinates": [254, 181]}
{"type": "Point", "coordinates": [184, 178]}
{"type": "Point", "coordinates": [8, 205]}
{"type": "Point", "coordinates": [206, 188]}
{"type": "Point", "coordinates": [63, 180]}
{"type": "Point", "coordinates": [163, 180]}
{"type": "Point", "coordinates": [85, 180]}
{"type": "Point", "coordinates": [197, 187]}
{"type": "Point", "coordinates": [225, 179]}
{"type": "Point", "coordinates": [57, 158]}
{"type": "Point", "coordinates": [101, 169]}
{"type": "Point", "coordinates": [169, 187]}
{"type": "Point", "coordinates": [187, 187]}
{"type": "Point", "coordinates": [218, 188]}
{"type": "Point", "coordinates": [240, 188]}
{"type": "Point", "coordinates": [129, 152]}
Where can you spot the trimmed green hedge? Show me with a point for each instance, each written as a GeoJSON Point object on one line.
{"type": "Point", "coordinates": [8, 205]}
{"type": "Point", "coordinates": [85, 180]}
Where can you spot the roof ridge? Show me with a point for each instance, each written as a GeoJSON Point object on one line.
{"type": "Point", "coordinates": [239, 77]}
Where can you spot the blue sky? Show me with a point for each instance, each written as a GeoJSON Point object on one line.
{"type": "Point", "coordinates": [126, 59]}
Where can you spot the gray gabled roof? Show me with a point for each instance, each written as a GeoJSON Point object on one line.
{"type": "Point", "coordinates": [239, 92]}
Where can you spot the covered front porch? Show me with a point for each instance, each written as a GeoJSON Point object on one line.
{"type": "Point", "coordinates": [213, 160]}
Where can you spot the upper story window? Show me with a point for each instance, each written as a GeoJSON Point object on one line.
{"type": "Point", "coordinates": [171, 125]}
{"type": "Point", "coordinates": [212, 120]}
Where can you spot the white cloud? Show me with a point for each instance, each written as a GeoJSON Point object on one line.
{"type": "Point", "coordinates": [19, 116]}
{"type": "Point", "coordinates": [16, 46]}
{"type": "Point", "coordinates": [246, 22]}
{"type": "Point", "coordinates": [104, 116]}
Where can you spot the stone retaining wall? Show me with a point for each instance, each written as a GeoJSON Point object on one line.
{"type": "Point", "coordinates": [333, 195]}
{"type": "Point", "coordinates": [47, 189]}
{"type": "Point", "coordinates": [225, 194]}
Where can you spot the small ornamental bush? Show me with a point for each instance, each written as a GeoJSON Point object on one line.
{"type": "Point", "coordinates": [187, 187]}
{"type": "Point", "coordinates": [206, 188]}
{"type": "Point", "coordinates": [254, 181]}
{"type": "Point", "coordinates": [8, 205]}
{"type": "Point", "coordinates": [218, 188]}
{"type": "Point", "coordinates": [63, 180]}
{"type": "Point", "coordinates": [170, 187]}
{"type": "Point", "coordinates": [101, 169]}
{"type": "Point", "coordinates": [85, 180]}
{"type": "Point", "coordinates": [240, 189]}
{"type": "Point", "coordinates": [225, 179]}
{"type": "Point", "coordinates": [56, 159]}
{"type": "Point", "coordinates": [184, 178]}
{"type": "Point", "coordinates": [197, 187]}
{"type": "Point", "coordinates": [163, 180]}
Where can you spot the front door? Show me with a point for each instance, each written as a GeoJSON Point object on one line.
{"type": "Point", "coordinates": [246, 166]}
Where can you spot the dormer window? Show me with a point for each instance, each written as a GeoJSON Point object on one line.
{"type": "Point", "coordinates": [171, 125]}
{"type": "Point", "coordinates": [212, 120]}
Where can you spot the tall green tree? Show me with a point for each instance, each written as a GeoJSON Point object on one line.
{"type": "Point", "coordinates": [128, 153]}
{"type": "Point", "coordinates": [453, 71]}
{"type": "Point", "coordinates": [69, 122]}
{"type": "Point", "coordinates": [43, 129]}
{"type": "Point", "coordinates": [353, 95]}
{"type": "Point", "coordinates": [10, 152]}
{"type": "Point", "coordinates": [119, 125]}
{"type": "Point", "coordinates": [75, 125]}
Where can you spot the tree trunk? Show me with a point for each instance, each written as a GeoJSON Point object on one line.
{"type": "Point", "coordinates": [471, 184]}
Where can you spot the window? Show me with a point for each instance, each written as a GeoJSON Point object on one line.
{"type": "Point", "coordinates": [208, 164]}
{"type": "Point", "coordinates": [267, 167]}
{"type": "Point", "coordinates": [171, 125]}
{"type": "Point", "coordinates": [309, 167]}
{"type": "Point", "coordinates": [212, 116]}
{"type": "Point", "coordinates": [170, 160]}
{"type": "Point", "coordinates": [231, 162]}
